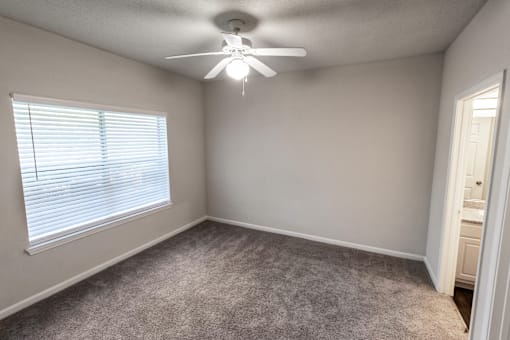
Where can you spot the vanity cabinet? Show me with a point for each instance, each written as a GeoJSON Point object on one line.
{"type": "Point", "coordinates": [469, 252]}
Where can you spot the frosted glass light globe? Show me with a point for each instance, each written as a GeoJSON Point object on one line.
{"type": "Point", "coordinates": [237, 69]}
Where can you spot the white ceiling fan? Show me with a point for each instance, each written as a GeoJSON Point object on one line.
{"type": "Point", "coordinates": [240, 56]}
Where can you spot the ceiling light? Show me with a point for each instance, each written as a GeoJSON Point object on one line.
{"type": "Point", "coordinates": [238, 69]}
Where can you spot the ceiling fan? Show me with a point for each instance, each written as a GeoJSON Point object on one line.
{"type": "Point", "coordinates": [240, 56]}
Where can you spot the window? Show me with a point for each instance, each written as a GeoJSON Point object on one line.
{"type": "Point", "coordinates": [84, 167]}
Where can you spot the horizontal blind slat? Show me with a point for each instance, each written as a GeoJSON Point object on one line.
{"type": "Point", "coordinates": [70, 212]}
{"type": "Point", "coordinates": [39, 199]}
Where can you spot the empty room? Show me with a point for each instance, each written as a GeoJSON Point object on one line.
{"type": "Point", "coordinates": [220, 169]}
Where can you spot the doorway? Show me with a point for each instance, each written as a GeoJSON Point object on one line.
{"type": "Point", "coordinates": [471, 199]}
{"type": "Point", "coordinates": [480, 113]}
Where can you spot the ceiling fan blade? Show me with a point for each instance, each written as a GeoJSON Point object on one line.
{"type": "Point", "coordinates": [280, 52]}
{"type": "Point", "coordinates": [259, 66]}
{"type": "Point", "coordinates": [193, 55]}
{"type": "Point", "coordinates": [218, 68]}
{"type": "Point", "coordinates": [233, 40]}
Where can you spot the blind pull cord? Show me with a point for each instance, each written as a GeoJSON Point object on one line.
{"type": "Point", "coordinates": [33, 143]}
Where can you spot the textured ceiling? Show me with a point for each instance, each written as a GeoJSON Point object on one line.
{"type": "Point", "coordinates": [335, 32]}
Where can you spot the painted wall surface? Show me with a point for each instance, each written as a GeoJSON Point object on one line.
{"type": "Point", "coordinates": [39, 63]}
{"type": "Point", "coordinates": [481, 51]}
{"type": "Point", "coordinates": [344, 153]}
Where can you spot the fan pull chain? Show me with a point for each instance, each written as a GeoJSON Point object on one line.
{"type": "Point", "coordinates": [245, 80]}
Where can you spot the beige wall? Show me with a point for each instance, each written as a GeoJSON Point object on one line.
{"type": "Point", "coordinates": [344, 153]}
{"type": "Point", "coordinates": [482, 50]}
{"type": "Point", "coordinates": [39, 63]}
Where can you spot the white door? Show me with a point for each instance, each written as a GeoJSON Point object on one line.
{"type": "Point", "coordinates": [477, 158]}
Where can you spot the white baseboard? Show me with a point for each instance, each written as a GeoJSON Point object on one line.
{"type": "Point", "coordinates": [371, 249]}
{"type": "Point", "coordinates": [75, 279]}
{"type": "Point", "coordinates": [433, 276]}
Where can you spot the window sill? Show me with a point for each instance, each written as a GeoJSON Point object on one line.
{"type": "Point", "coordinates": [37, 248]}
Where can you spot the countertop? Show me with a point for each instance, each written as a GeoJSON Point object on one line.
{"type": "Point", "coordinates": [473, 215]}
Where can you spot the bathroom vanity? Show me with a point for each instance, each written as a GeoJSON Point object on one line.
{"type": "Point", "coordinates": [469, 246]}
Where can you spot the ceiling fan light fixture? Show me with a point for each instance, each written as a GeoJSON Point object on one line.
{"type": "Point", "coordinates": [238, 69]}
{"type": "Point", "coordinates": [240, 57]}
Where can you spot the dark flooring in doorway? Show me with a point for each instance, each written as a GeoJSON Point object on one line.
{"type": "Point", "coordinates": [464, 300]}
{"type": "Point", "coordinates": [217, 281]}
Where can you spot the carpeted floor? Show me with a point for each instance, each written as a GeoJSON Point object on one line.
{"type": "Point", "coordinates": [222, 282]}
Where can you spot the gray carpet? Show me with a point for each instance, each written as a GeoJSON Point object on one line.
{"type": "Point", "coordinates": [222, 282]}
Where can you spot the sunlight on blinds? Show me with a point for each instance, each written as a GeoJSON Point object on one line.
{"type": "Point", "coordinates": [83, 167]}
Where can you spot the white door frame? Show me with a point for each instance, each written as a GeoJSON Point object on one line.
{"type": "Point", "coordinates": [495, 209]}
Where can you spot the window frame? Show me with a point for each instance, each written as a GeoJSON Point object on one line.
{"type": "Point", "coordinates": [91, 228]}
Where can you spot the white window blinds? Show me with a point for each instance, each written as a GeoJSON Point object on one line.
{"type": "Point", "coordinates": [83, 167]}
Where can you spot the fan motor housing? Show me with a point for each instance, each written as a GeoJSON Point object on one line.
{"type": "Point", "coordinates": [246, 44]}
